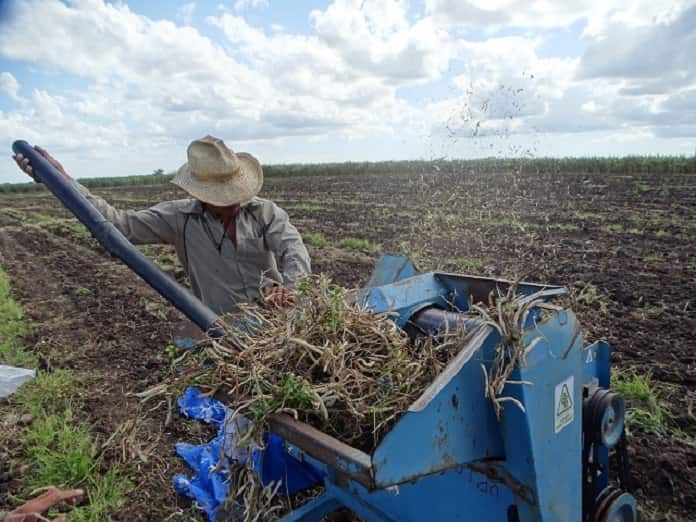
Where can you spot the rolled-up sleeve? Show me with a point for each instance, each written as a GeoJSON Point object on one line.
{"type": "Point", "coordinates": [157, 224]}
{"type": "Point", "coordinates": [287, 246]}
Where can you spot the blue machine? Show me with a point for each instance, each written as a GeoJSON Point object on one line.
{"type": "Point", "coordinates": [449, 457]}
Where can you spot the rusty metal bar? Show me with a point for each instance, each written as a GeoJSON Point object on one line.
{"type": "Point", "coordinates": [345, 460]}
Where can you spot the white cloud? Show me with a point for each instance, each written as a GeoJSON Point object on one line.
{"type": "Point", "coordinates": [662, 53]}
{"type": "Point", "coordinates": [158, 85]}
{"type": "Point", "coordinates": [241, 5]}
{"type": "Point", "coordinates": [376, 38]}
{"type": "Point", "coordinates": [497, 14]}
{"type": "Point", "coordinates": [10, 86]}
{"type": "Point", "coordinates": [316, 78]}
{"type": "Point", "coordinates": [589, 106]}
{"type": "Point", "coordinates": [153, 85]}
{"type": "Point", "coordinates": [185, 12]}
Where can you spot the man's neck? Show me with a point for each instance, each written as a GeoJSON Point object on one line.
{"type": "Point", "coordinates": [227, 216]}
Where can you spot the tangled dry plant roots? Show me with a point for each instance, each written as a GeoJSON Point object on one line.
{"type": "Point", "coordinates": [326, 361]}
{"type": "Point", "coordinates": [507, 313]}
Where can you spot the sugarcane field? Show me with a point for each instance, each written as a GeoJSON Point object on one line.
{"type": "Point", "coordinates": [377, 261]}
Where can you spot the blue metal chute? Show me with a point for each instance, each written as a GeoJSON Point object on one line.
{"type": "Point", "coordinates": [449, 457]}
{"type": "Point", "coordinates": [113, 240]}
{"type": "Point", "coordinates": [390, 269]}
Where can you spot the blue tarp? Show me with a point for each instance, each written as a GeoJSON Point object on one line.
{"type": "Point", "coordinates": [210, 462]}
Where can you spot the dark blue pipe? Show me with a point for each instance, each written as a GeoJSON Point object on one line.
{"type": "Point", "coordinates": [115, 242]}
{"type": "Point", "coordinates": [433, 320]}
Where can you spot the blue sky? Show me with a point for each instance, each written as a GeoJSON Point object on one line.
{"type": "Point", "coordinates": [122, 88]}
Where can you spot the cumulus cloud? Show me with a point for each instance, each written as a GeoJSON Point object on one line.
{"type": "Point", "coordinates": [152, 85]}
{"type": "Point", "coordinates": [496, 14]}
{"type": "Point", "coordinates": [377, 38]}
{"type": "Point", "coordinates": [661, 53]}
{"type": "Point", "coordinates": [241, 5]}
{"type": "Point", "coordinates": [159, 85]}
{"type": "Point", "coordinates": [10, 86]}
{"type": "Point", "coordinates": [185, 12]}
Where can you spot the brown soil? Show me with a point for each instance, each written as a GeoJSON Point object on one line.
{"type": "Point", "coordinates": [631, 237]}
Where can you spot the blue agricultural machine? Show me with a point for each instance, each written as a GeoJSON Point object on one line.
{"type": "Point", "coordinates": [561, 456]}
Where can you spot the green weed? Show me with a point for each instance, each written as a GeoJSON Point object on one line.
{"type": "Point", "coordinates": [663, 233]}
{"type": "Point", "coordinates": [12, 329]}
{"type": "Point", "coordinates": [165, 260]}
{"type": "Point", "coordinates": [653, 258]}
{"type": "Point", "coordinates": [495, 221]}
{"type": "Point", "coordinates": [62, 452]}
{"type": "Point", "coordinates": [586, 216]}
{"type": "Point", "coordinates": [293, 392]}
{"type": "Point", "coordinates": [67, 225]}
{"type": "Point", "coordinates": [76, 229]}
{"type": "Point", "coordinates": [565, 227]}
{"type": "Point", "coordinates": [649, 311]}
{"type": "Point", "coordinates": [307, 206]}
{"type": "Point", "coordinates": [36, 218]}
{"type": "Point", "coordinates": [59, 450]}
{"type": "Point", "coordinates": [314, 239]}
{"type": "Point", "coordinates": [615, 228]}
{"type": "Point", "coordinates": [14, 213]}
{"type": "Point", "coordinates": [644, 410]}
{"type": "Point", "coordinates": [82, 291]}
{"type": "Point", "coordinates": [466, 264]}
{"type": "Point", "coordinates": [49, 392]}
{"type": "Point", "coordinates": [105, 494]}
{"type": "Point", "coordinates": [362, 245]}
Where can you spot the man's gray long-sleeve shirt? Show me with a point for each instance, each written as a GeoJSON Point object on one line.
{"type": "Point", "coordinates": [268, 251]}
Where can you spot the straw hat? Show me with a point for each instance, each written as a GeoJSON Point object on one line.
{"type": "Point", "coordinates": [216, 175]}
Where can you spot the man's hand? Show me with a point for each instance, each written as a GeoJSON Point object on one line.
{"type": "Point", "coordinates": [279, 296]}
{"type": "Point", "coordinates": [24, 164]}
{"type": "Point", "coordinates": [33, 510]}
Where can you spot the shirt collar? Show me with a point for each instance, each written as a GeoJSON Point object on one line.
{"type": "Point", "coordinates": [193, 206]}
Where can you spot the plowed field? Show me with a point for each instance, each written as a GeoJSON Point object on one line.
{"type": "Point", "coordinates": [627, 244]}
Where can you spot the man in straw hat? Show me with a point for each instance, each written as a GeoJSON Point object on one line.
{"type": "Point", "coordinates": [234, 246]}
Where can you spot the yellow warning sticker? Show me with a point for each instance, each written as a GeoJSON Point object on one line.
{"type": "Point", "coordinates": [564, 408]}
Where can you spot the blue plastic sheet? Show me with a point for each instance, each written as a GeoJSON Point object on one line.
{"type": "Point", "coordinates": [210, 462]}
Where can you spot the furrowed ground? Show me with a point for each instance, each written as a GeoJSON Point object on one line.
{"type": "Point", "coordinates": [625, 243]}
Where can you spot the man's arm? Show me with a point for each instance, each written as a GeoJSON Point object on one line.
{"type": "Point", "coordinates": [286, 243]}
{"type": "Point", "coordinates": [157, 224]}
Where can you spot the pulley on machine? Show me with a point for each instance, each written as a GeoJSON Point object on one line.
{"type": "Point", "coordinates": [604, 441]}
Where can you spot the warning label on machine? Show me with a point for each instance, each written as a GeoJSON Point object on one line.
{"type": "Point", "coordinates": [564, 409]}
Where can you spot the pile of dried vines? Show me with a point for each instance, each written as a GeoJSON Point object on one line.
{"type": "Point", "coordinates": [327, 361]}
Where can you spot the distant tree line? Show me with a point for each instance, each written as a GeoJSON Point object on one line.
{"type": "Point", "coordinates": [591, 165]}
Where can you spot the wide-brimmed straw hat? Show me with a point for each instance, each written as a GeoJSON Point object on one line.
{"type": "Point", "coordinates": [216, 175]}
